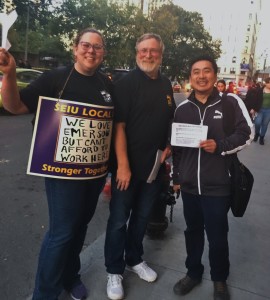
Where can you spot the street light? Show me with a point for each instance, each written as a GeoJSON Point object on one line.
{"type": "Point", "coordinates": [26, 33]}
{"type": "Point", "coordinates": [142, 4]}
{"type": "Point", "coordinates": [27, 27]}
{"type": "Point", "coordinates": [264, 65]}
{"type": "Point", "coordinates": [264, 55]}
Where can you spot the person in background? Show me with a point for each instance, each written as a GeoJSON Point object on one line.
{"type": "Point", "coordinates": [259, 108]}
{"type": "Point", "coordinates": [27, 64]}
{"type": "Point", "coordinates": [21, 63]}
{"type": "Point", "coordinates": [202, 175]}
{"type": "Point", "coordinates": [71, 203]}
{"type": "Point", "coordinates": [144, 106]}
{"type": "Point", "coordinates": [221, 86]}
{"type": "Point", "coordinates": [241, 90]}
{"type": "Point", "coordinates": [230, 88]}
{"type": "Point", "coordinates": [251, 98]}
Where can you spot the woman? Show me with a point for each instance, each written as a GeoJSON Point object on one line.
{"type": "Point", "coordinates": [71, 203]}
{"type": "Point", "coordinates": [221, 86]}
{"type": "Point", "coordinates": [260, 109]}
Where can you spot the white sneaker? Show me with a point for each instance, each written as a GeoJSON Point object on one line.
{"type": "Point", "coordinates": [144, 272]}
{"type": "Point", "coordinates": [115, 289]}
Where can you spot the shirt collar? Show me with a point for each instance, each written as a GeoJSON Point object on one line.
{"type": "Point", "coordinates": [146, 76]}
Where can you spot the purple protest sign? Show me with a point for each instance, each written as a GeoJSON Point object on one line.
{"type": "Point", "coordinates": [71, 140]}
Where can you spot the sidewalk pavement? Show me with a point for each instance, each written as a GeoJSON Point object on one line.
{"type": "Point", "coordinates": [249, 242]}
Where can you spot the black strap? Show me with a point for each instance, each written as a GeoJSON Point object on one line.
{"type": "Point", "coordinates": [62, 90]}
{"type": "Point", "coordinates": [228, 125]}
{"type": "Point", "coordinates": [228, 115]}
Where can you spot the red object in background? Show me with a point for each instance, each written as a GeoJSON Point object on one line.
{"type": "Point", "coordinates": [168, 169]}
{"type": "Point", "coordinates": [107, 187]}
{"type": "Point", "coordinates": [176, 87]}
{"type": "Point", "coordinates": [231, 88]}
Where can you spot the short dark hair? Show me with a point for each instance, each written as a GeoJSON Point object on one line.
{"type": "Point", "coordinates": [267, 80]}
{"type": "Point", "coordinates": [221, 81]}
{"type": "Point", "coordinates": [203, 57]}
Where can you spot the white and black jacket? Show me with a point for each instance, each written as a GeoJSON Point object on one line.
{"type": "Point", "coordinates": [199, 172]}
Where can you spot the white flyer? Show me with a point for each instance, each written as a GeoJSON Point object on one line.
{"type": "Point", "coordinates": [188, 135]}
{"type": "Point", "coordinates": [156, 167]}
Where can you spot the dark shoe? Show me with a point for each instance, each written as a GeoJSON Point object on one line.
{"type": "Point", "coordinates": [261, 141]}
{"type": "Point", "coordinates": [185, 285]}
{"type": "Point", "coordinates": [78, 291]}
{"type": "Point", "coordinates": [221, 291]}
{"type": "Point", "coordinates": [256, 137]}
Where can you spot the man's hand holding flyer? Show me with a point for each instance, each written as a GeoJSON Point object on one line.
{"type": "Point", "coordinates": [188, 135]}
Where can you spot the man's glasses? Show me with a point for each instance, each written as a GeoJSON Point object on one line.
{"type": "Point", "coordinates": [152, 51]}
{"type": "Point", "coordinates": [96, 47]}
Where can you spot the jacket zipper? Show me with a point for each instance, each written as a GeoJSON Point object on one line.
{"type": "Point", "coordinates": [200, 150]}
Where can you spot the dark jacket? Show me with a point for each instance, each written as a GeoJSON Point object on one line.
{"type": "Point", "coordinates": [199, 172]}
{"type": "Point", "coordinates": [254, 99]}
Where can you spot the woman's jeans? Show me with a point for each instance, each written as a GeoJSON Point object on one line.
{"type": "Point", "coordinates": [134, 204]}
{"type": "Point", "coordinates": [261, 121]}
{"type": "Point", "coordinates": [209, 214]}
{"type": "Point", "coordinates": [72, 204]}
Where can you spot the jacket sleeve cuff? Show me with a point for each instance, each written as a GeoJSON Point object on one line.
{"type": "Point", "coordinates": [218, 150]}
{"type": "Point", "coordinates": [175, 178]}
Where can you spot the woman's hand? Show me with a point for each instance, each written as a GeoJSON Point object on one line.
{"type": "Point", "coordinates": [7, 61]}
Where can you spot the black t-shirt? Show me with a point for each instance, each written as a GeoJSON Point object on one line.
{"type": "Point", "coordinates": [96, 89]}
{"type": "Point", "coordinates": [147, 107]}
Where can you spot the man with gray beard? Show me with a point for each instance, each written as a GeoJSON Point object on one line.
{"type": "Point", "coordinates": [144, 109]}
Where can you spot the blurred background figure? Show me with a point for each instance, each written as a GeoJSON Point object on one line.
{"type": "Point", "coordinates": [259, 105]}
{"type": "Point", "coordinates": [251, 98]}
{"type": "Point", "coordinates": [20, 63]}
{"type": "Point", "coordinates": [242, 90]}
{"type": "Point", "coordinates": [230, 88]}
{"type": "Point", "coordinates": [221, 86]}
{"type": "Point", "coordinates": [27, 64]}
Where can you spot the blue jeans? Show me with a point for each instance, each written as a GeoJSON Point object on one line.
{"type": "Point", "coordinates": [261, 121]}
{"type": "Point", "coordinates": [134, 204]}
{"type": "Point", "coordinates": [72, 204]}
{"type": "Point", "coordinates": [209, 214]}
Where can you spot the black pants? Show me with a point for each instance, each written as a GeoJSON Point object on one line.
{"type": "Point", "coordinates": [209, 214]}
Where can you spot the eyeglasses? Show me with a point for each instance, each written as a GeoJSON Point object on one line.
{"type": "Point", "coordinates": [152, 51]}
{"type": "Point", "coordinates": [86, 46]}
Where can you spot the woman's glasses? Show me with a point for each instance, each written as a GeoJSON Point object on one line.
{"type": "Point", "coordinates": [96, 47]}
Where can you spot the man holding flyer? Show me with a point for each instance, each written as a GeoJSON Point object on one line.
{"type": "Point", "coordinates": [200, 170]}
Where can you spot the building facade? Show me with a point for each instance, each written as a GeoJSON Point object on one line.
{"type": "Point", "coordinates": [236, 24]}
{"type": "Point", "coordinates": [237, 62]}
